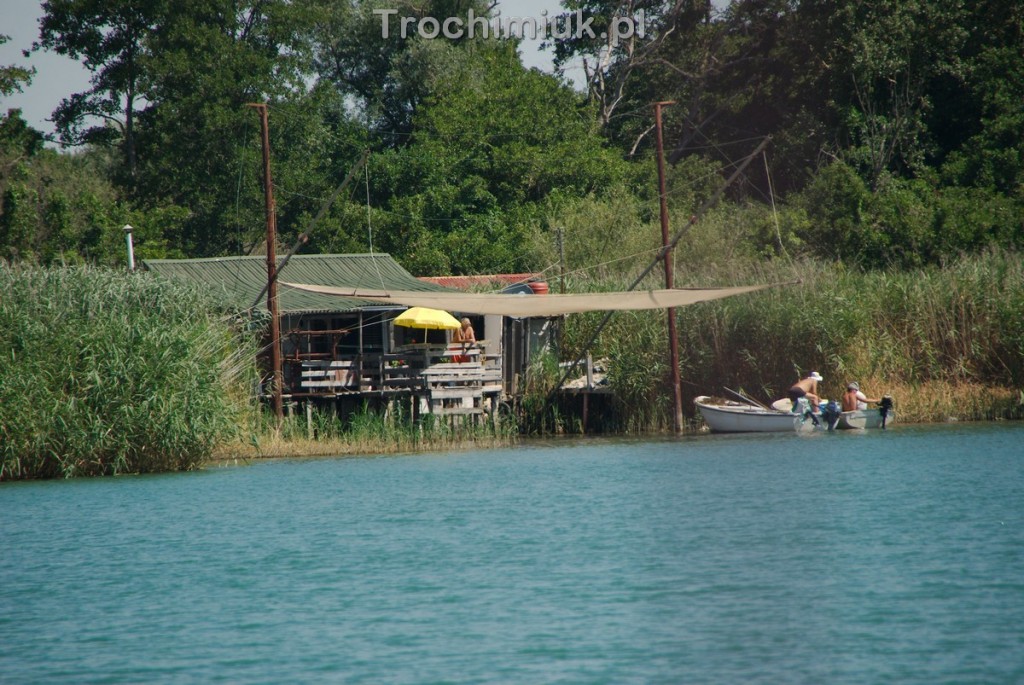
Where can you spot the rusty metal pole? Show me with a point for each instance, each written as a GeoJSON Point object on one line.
{"type": "Point", "coordinates": [275, 324]}
{"type": "Point", "coordinates": [673, 343]}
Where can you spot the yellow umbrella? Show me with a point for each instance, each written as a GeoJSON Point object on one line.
{"type": "Point", "coordinates": [424, 317]}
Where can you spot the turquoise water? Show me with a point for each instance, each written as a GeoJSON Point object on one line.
{"type": "Point", "coordinates": [893, 557]}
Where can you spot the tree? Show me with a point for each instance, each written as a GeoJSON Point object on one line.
{"type": "Point", "coordinates": [12, 76]}
{"type": "Point", "coordinates": [615, 65]}
{"type": "Point", "coordinates": [890, 55]}
{"type": "Point", "coordinates": [198, 141]}
{"type": "Point", "coordinates": [491, 144]}
{"type": "Point", "coordinates": [980, 127]}
{"type": "Point", "coordinates": [733, 73]}
{"type": "Point", "coordinates": [17, 139]}
{"type": "Point", "coordinates": [109, 37]}
{"type": "Point", "coordinates": [387, 76]}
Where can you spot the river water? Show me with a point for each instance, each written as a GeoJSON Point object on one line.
{"type": "Point", "coordinates": [878, 557]}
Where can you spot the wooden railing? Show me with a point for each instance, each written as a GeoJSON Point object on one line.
{"type": "Point", "coordinates": [428, 372]}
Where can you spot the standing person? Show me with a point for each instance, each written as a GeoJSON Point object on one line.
{"type": "Point", "coordinates": [808, 388]}
{"type": "Point", "coordinates": [466, 336]}
{"type": "Point", "coordinates": [854, 399]}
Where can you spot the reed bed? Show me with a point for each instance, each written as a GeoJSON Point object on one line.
{"type": "Point", "coordinates": [323, 433]}
{"type": "Point", "coordinates": [110, 373]}
{"type": "Point", "coordinates": [945, 342]}
{"type": "Point", "coordinates": [107, 373]}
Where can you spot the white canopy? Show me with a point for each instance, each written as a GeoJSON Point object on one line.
{"type": "Point", "coordinates": [524, 305]}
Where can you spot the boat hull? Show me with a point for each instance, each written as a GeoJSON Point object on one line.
{"type": "Point", "coordinates": [748, 419]}
{"type": "Point", "coordinates": [864, 418]}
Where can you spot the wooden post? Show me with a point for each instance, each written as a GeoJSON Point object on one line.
{"type": "Point", "coordinates": [275, 324]}
{"type": "Point", "coordinates": [561, 256]}
{"type": "Point", "coordinates": [673, 344]}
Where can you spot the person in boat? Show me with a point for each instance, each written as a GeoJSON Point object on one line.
{"type": "Point", "coordinates": [854, 399]}
{"type": "Point", "coordinates": [466, 336]}
{"type": "Point", "coordinates": [808, 387]}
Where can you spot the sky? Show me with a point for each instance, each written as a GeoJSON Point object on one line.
{"type": "Point", "coordinates": [58, 77]}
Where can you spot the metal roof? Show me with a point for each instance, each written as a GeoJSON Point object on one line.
{"type": "Point", "coordinates": [237, 281]}
{"type": "Point", "coordinates": [495, 281]}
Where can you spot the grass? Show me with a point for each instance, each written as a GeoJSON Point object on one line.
{"type": "Point", "coordinates": [323, 433]}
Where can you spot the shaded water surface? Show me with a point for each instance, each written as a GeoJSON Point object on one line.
{"type": "Point", "coordinates": [846, 558]}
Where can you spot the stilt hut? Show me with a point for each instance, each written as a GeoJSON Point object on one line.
{"type": "Point", "coordinates": [347, 351]}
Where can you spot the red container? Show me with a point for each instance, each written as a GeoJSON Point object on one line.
{"type": "Point", "coordinates": [538, 287]}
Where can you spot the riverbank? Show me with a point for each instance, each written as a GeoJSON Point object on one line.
{"type": "Point", "coordinates": [114, 373]}
{"type": "Point", "coordinates": [273, 445]}
{"type": "Point", "coordinates": [323, 433]}
{"type": "Point", "coordinates": [929, 403]}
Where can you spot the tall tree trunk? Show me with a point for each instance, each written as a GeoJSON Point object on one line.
{"type": "Point", "coordinates": [129, 131]}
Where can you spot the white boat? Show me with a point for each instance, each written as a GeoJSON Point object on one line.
{"type": "Point", "coordinates": [875, 417]}
{"type": "Point", "coordinates": [833, 418]}
{"type": "Point", "coordinates": [865, 418]}
{"type": "Point", "coordinates": [726, 416]}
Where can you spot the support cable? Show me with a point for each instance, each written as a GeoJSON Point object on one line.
{"type": "Point", "coordinates": [304, 236]}
{"type": "Point", "coordinates": [705, 206]}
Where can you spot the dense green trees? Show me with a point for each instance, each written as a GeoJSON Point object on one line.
{"type": "Point", "coordinates": [897, 130]}
{"type": "Point", "coordinates": [488, 151]}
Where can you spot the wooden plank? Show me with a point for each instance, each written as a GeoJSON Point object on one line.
{"type": "Point", "coordinates": [334, 364]}
{"type": "Point", "coordinates": [454, 393]}
{"type": "Point", "coordinates": [401, 383]}
{"type": "Point", "coordinates": [330, 374]}
{"type": "Point", "coordinates": [479, 373]}
{"type": "Point", "coordinates": [456, 411]}
{"type": "Point", "coordinates": [325, 382]}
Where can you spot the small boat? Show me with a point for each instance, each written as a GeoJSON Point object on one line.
{"type": "Point", "coordinates": [866, 418]}
{"type": "Point", "coordinates": [858, 419]}
{"type": "Point", "coordinates": [727, 416]}
{"type": "Point", "coordinates": [834, 418]}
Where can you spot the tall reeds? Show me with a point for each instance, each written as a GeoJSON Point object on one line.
{"type": "Point", "coordinates": [946, 342]}
{"type": "Point", "coordinates": [106, 373]}
{"type": "Point", "coordinates": [321, 432]}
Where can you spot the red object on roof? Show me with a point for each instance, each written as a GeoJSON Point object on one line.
{"type": "Point", "coordinates": [538, 287]}
{"type": "Point", "coordinates": [494, 281]}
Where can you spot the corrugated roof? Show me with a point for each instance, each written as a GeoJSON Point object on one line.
{"type": "Point", "coordinates": [487, 281]}
{"type": "Point", "coordinates": [237, 281]}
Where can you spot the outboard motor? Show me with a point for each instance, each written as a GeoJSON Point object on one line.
{"type": "Point", "coordinates": [884, 407]}
{"type": "Point", "coordinates": [803, 408]}
{"type": "Point", "coordinates": [830, 412]}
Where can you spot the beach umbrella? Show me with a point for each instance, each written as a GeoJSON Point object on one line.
{"type": "Point", "coordinates": [426, 318]}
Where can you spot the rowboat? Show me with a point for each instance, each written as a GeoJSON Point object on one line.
{"type": "Point", "coordinates": [726, 416]}
{"type": "Point", "coordinates": [858, 419]}
{"type": "Point", "coordinates": [865, 418]}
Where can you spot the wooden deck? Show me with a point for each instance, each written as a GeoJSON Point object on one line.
{"type": "Point", "coordinates": [428, 373]}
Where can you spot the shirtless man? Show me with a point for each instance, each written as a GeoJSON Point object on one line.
{"type": "Point", "coordinates": [808, 388]}
{"type": "Point", "coordinates": [854, 399]}
{"type": "Point", "coordinates": [465, 335]}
